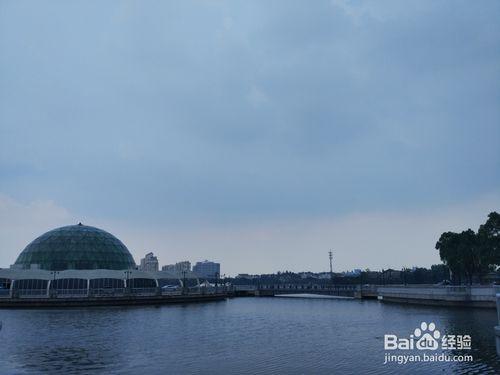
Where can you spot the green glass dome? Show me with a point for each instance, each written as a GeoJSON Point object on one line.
{"type": "Point", "coordinates": [79, 247]}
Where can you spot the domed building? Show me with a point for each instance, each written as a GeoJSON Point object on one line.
{"type": "Point", "coordinates": [80, 261]}
{"type": "Point", "coordinates": [76, 247]}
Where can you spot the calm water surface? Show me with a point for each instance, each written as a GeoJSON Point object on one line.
{"type": "Point", "coordinates": [238, 336]}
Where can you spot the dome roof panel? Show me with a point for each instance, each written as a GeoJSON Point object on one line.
{"type": "Point", "coordinates": [76, 247]}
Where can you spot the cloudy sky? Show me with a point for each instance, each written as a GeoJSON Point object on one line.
{"type": "Point", "coordinates": [259, 134]}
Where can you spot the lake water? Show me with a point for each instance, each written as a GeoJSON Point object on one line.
{"type": "Point", "coordinates": [237, 336]}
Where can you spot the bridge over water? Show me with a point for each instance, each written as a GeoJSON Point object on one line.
{"type": "Point", "coordinates": [268, 290]}
{"type": "Point", "coordinates": [449, 295]}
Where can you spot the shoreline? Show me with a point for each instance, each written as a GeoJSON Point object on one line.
{"type": "Point", "coordinates": [29, 303]}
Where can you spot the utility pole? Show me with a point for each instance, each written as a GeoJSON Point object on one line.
{"type": "Point", "coordinates": [330, 255]}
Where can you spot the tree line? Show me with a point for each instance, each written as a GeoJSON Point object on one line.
{"type": "Point", "coordinates": [470, 255]}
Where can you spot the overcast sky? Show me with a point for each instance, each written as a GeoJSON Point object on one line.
{"type": "Point", "coordinates": [255, 133]}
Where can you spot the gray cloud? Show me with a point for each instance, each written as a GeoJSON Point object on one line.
{"type": "Point", "coordinates": [165, 112]}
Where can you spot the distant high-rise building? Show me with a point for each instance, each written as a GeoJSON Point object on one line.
{"type": "Point", "coordinates": [183, 266]}
{"type": "Point", "coordinates": [149, 263]}
{"type": "Point", "coordinates": [178, 267]}
{"type": "Point", "coordinates": [207, 269]}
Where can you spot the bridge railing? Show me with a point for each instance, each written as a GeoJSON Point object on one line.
{"type": "Point", "coordinates": [171, 292]}
{"type": "Point", "coordinates": [238, 288]}
{"type": "Point", "coordinates": [144, 291]}
{"type": "Point", "coordinates": [63, 293]}
{"type": "Point", "coordinates": [32, 293]}
{"type": "Point", "coordinates": [288, 286]}
{"type": "Point", "coordinates": [106, 292]}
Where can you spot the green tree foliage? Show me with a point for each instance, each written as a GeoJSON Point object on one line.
{"type": "Point", "coordinates": [468, 254]}
{"type": "Point", "coordinates": [447, 246]}
{"type": "Point", "coordinates": [439, 273]}
{"type": "Point", "coordinates": [489, 239]}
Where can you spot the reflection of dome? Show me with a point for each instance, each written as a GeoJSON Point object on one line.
{"type": "Point", "coordinates": [76, 247]}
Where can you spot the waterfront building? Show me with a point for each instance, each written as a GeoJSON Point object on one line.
{"type": "Point", "coordinates": [149, 263]}
{"type": "Point", "coordinates": [80, 260]}
{"type": "Point", "coordinates": [75, 247]}
{"type": "Point", "coordinates": [354, 273]}
{"type": "Point", "coordinates": [169, 267]}
{"type": "Point", "coordinates": [307, 275]}
{"type": "Point", "coordinates": [246, 276]}
{"type": "Point", "coordinates": [324, 275]}
{"type": "Point", "coordinates": [207, 269]}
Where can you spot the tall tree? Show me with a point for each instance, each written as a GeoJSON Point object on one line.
{"type": "Point", "coordinates": [469, 254]}
{"type": "Point", "coordinates": [448, 252]}
{"type": "Point", "coordinates": [489, 240]}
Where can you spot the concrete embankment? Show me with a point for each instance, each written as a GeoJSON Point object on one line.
{"type": "Point", "coordinates": [311, 296]}
{"type": "Point", "coordinates": [469, 296]}
{"type": "Point", "coordinates": [497, 328]}
{"type": "Point", "coordinates": [107, 301]}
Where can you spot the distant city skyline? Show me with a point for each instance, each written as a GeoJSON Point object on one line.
{"type": "Point", "coordinates": [398, 228]}
{"type": "Point", "coordinates": [253, 134]}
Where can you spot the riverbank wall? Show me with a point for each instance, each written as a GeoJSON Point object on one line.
{"type": "Point", "coordinates": [497, 328]}
{"type": "Point", "coordinates": [109, 301]}
{"type": "Point", "coordinates": [465, 296]}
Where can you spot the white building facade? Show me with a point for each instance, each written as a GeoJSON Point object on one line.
{"type": "Point", "coordinates": [179, 267]}
{"type": "Point", "coordinates": [149, 263]}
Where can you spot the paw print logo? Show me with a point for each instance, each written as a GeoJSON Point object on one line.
{"type": "Point", "coordinates": [427, 336]}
